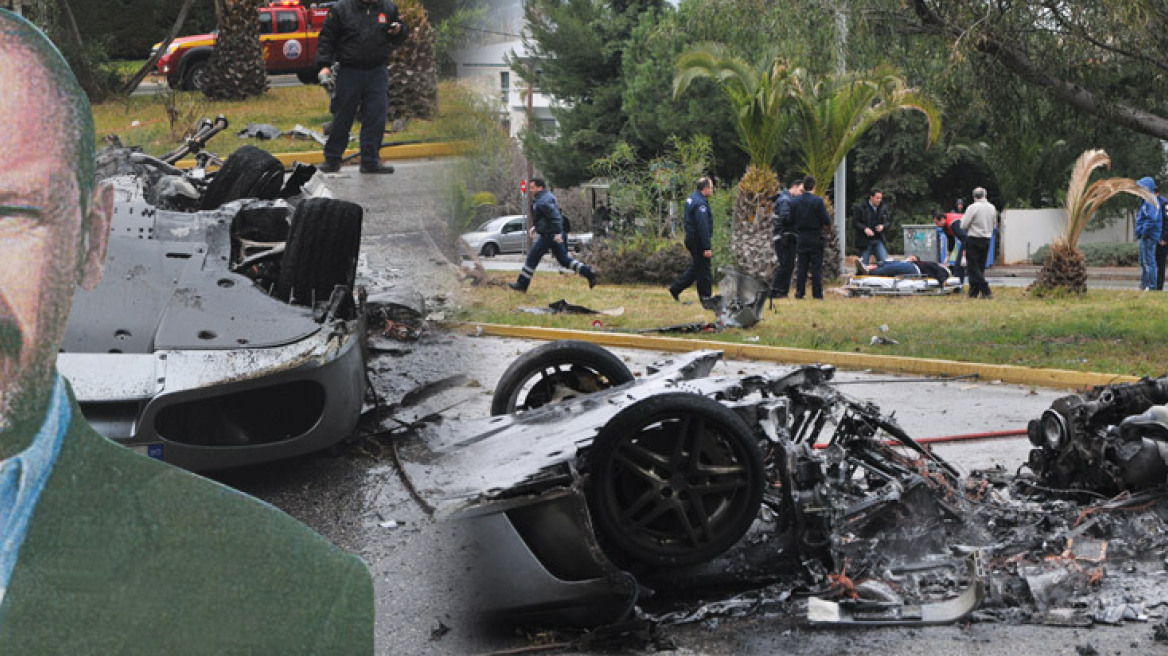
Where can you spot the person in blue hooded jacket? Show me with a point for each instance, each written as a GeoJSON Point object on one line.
{"type": "Point", "coordinates": [1148, 232]}
{"type": "Point", "coordinates": [699, 230]}
{"type": "Point", "coordinates": [1162, 245]}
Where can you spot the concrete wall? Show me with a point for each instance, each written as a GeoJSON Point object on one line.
{"type": "Point", "coordinates": [1025, 231]}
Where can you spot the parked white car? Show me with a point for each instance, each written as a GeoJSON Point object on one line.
{"type": "Point", "coordinates": [501, 235]}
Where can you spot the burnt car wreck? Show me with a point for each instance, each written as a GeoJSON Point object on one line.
{"type": "Point", "coordinates": [607, 498]}
{"type": "Point", "coordinates": [227, 310]}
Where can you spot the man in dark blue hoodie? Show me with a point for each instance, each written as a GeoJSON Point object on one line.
{"type": "Point", "coordinates": [1162, 245]}
{"type": "Point", "coordinates": [699, 230]}
{"type": "Point", "coordinates": [1148, 223]}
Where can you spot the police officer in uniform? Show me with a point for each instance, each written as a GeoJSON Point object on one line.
{"type": "Point", "coordinates": [699, 230]}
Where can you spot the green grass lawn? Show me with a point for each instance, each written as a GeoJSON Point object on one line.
{"type": "Point", "coordinates": [1109, 331]}
{"type": "Point", "coordinates": [158, 122]}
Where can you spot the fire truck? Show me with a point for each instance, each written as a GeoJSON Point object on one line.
{"type": "Point", "coordinates": [288, 32]}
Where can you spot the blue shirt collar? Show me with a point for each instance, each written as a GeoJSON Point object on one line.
{"type": "Point", "coordinates": [23, 477]}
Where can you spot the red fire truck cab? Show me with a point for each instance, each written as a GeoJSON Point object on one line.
{"type": "Point", "coordinates": [288, 31]}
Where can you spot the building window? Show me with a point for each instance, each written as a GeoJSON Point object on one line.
{"type": "Point", "coordinates": [505, 86]}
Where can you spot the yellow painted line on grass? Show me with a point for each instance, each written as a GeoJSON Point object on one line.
{"type": "Point", "coordinates": [1053, 378]}
{"type": "Point", "coordinates": [408, 151]}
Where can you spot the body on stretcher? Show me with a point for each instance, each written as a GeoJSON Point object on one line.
{"type": "Point", "coordinates": [905, 285]}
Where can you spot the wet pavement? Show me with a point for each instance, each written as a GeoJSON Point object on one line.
{"type": "Point", "coordinates": [355, 496]}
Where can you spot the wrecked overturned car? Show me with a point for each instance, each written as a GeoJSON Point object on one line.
{"type": "Point", "coordinates": [604, 493]}
{"type": "Point", "coordinates": [226, 330]}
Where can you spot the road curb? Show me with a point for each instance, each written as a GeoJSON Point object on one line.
{"type": "Point", "coordinates": [390, 153]}
{"type": "Point", "coordinates": [1052, 378]}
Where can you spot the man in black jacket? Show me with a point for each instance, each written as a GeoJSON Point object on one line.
{"type": "Point", "coordinates": [809, 214]}
{"type": "Point", "coordinates": [699, 231]}
{"type": "Point", "coordinates": [357, 35]}
{"type": "Point", "coordinates": [784, 238]}
{"type": "Point", "coordinates": [871, 221]}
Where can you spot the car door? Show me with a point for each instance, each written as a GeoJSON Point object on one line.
{"type": "Point", "coordinates": [511, 241]}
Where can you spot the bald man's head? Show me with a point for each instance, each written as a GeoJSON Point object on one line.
{"type": "Point", "coordinates": [29, 52]}
{"type": "Point", "coordinates": [54, 221]}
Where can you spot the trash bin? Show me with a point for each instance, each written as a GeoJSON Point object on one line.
{"type": "Point", "coordinates": [921, 240]}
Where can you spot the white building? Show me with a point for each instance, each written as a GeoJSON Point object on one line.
{"type": "Point", "coordinates": [488, 70]}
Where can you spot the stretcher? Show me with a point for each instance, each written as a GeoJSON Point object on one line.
{"type": "Point", "coordinates": [904, 285]}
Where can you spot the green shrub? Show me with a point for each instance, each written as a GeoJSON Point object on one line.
{"type": "Point", "coordinates": [1102, 254]}
{"type": "Point", "coordinates": [637, 259]}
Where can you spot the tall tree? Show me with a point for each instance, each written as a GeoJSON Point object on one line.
{"type": "Point", "coordinates": [1101, 57]}
{"type": "Point", "coordinates": [575, 49]}
{"type": "Point", "coordinates": [757, 95]}
{"type": "Point", "coordinates": [832, 113]}
{"type": "Point", "coordinates": [237, 63]}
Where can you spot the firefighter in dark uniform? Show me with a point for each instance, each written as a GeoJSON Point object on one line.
{"type": "Point", "coordinates": [699, 230]}
{"type": "Point", "coordinates": [357, 35]}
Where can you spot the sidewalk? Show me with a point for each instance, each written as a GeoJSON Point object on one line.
{"type": "Point", "coordinates": [1029, 271]}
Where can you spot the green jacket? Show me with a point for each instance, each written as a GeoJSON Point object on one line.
{"type": "Point", "coordinates": [127, 555]}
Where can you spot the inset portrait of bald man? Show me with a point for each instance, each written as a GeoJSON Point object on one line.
{"type": "Point", "coordinates": [103, 550]}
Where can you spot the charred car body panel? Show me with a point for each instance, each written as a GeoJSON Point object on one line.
{"type": "Point", "coordinates": [665, 512]}
{"type": "Point", "coordinates": [592, 505]}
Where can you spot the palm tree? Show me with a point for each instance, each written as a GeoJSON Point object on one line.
{"type": "Point", "coordinates": [237, 63]}
{"type": "Point", "coordinates": [1066, 268]}
{"type": "Point", "coordinates": [831, 114]}
{"type": "Point", "coordinates": [757, 94]}
{"type": "Point", "coordinates": [413, 67]}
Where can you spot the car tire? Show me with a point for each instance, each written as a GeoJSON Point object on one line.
{"type": "Point", "coordinates": [557, 371]}
{"type": "Point", "coordinates": [675, 479]}
{"type": "Point", "coordinates": [308, 77]}
{"type": "Point", "coordinates": [249, 172]}
{"type": "Point", "coordinates": [321, 251]}
{"type": "Point", "coordinates": [197, 74]}
{"type": "Point", "coordinates": [490, 250]}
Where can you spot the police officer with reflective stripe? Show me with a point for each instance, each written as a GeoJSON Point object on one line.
{"type": "Point", "coordinates": [549, 224]}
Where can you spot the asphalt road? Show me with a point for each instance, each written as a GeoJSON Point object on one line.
{"type": "Point", "coordinates": [157, 84]}
{"type": "Point", "coordinates": [355, 497]}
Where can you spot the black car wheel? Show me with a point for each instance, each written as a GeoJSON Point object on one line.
{"type": "Point", "coordinates": [490, 250]}
{"type": "Point", "coordinates": [557, 371]}
{"type": "Point", "coordinates": [308, 77]}
{"type": "Point", "coordinates": [197, 75]}
{"type": "Point", "coordinates": [249, 172]}
{"type": "Point", "coordinates": [321, 251]}
{"type": "Point", "coordinates": [676, 479]}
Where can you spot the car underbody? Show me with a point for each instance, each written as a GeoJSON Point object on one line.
{"type": "Point", "coordinates": [223, 336]}
{"type": "Point", "coordinates": [605, 499]}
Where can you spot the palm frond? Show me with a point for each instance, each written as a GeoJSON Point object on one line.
{"type": "Point", "coordinates": [757, 93]}
{"type": "Point", "coordinates": [1084, 201]}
